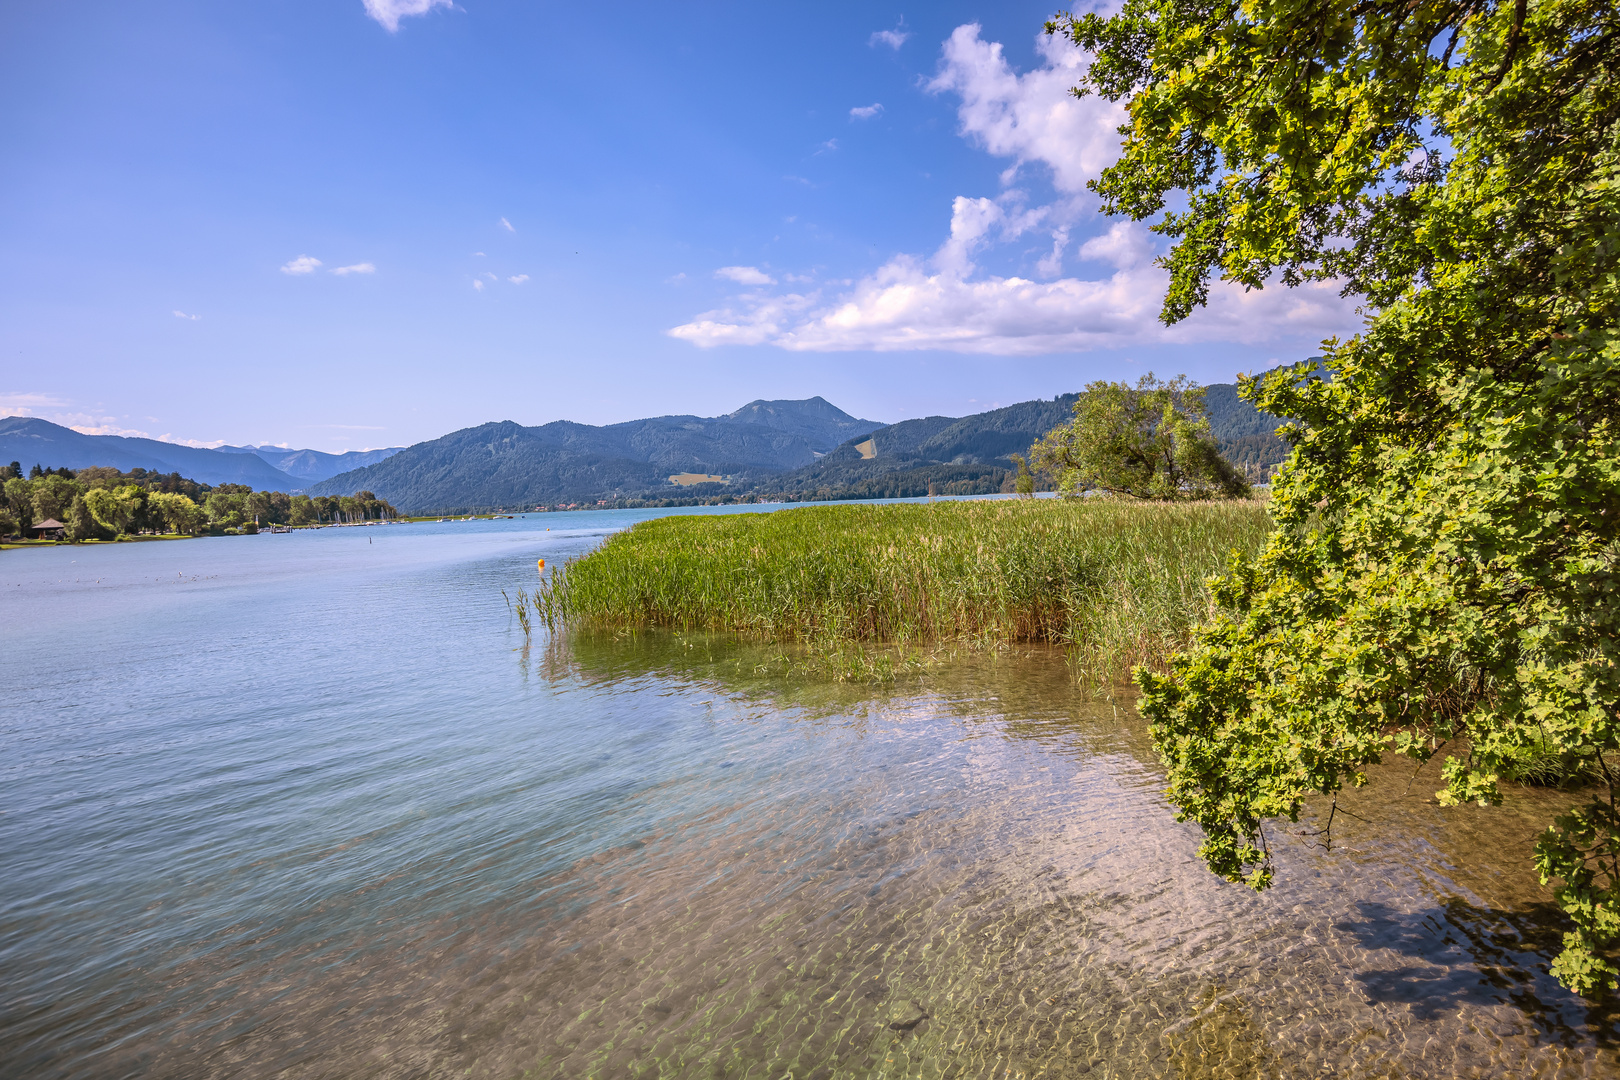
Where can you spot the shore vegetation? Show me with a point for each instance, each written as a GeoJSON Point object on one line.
{"type": "Point", "coordinates": [102, 503]}
{"type": "Point", "coordinates": [1116, 583]}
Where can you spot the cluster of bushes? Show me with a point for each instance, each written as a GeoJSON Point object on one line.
{"type": "Point", "coordinates": [101, 503]}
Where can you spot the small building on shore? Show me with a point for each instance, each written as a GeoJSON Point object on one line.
{"type": "Point", "coordinates": [49, 529]}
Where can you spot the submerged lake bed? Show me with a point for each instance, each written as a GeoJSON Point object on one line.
{"type": "Point", "coordinates": [314, 805]}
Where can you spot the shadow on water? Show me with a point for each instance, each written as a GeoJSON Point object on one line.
{"type": "Point", "coordinates": [1459, 954]}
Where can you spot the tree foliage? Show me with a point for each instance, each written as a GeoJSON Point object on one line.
{"type": "Point", "coordinates": [1443, 574]}
{"type": "Point", "coordinates": [1148, 441]}
{"type": "Point", "coordinates": [100, 503]}
{"type": "Point", "coordinates": [114, 509]}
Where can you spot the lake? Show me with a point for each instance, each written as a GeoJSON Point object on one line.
{"type": "Point", "coordinates": [311, 805]}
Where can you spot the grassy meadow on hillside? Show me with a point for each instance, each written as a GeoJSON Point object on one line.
{"type": "Point", "coordinates": [1116, 583]}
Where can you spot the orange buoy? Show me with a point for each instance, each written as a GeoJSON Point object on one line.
{"type": "Point", "coordinates": [542, 566]}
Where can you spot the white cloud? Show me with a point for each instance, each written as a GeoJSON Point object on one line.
{"type": "Point", "coordinates": [51, 408]}
{"type": "Point", "coordinates": [1125, 245]}
{"type": "Point", "coordinates": [1052, 265]}
{"type": "Point", "coordinates": [828, 146]}
{"type": "Point", "coordinates": [971, 222]}
{"type": "Point", "coordinates": [477, 284]}
{"type": "Point", "coordinates": [111, 428]}
{"type": "Point", "coordinates": [357, 268]}
{"type": "Point", "coordinates": [183, 315]}
{"type": "Point", "coordinates": [389, 12]}
{"type": "Point", "coordinates": [23, 403]}
{"type": "Point", "coordinates": [518, 279]}
{"type": "Point", "coordinates": [304, 264]}
{"type": "Point", "coordinates": [60, 411]}
{"type": "Point", "coordinates": [507, 225]}
{"type": "Point", "coordinates": [1030, 117]}
{"type": "Point", "coordinates": [745, 275]}
{"type": "Point", "coordinates": [866, 112]}
{"type": "Point", "coordinates": [892, 38]}
{"type": "Point", "coordinates": [197, 443]}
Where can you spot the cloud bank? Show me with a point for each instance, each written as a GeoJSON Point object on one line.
{"type": "Point", "coordinates": [944, 301]}
{"type": "Point", "coordinates": [912, 304]}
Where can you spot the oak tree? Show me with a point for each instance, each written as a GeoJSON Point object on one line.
{"type": "Point", "coordinates": [1443, 575]}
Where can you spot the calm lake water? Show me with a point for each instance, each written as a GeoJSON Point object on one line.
{"type": "Point", "coordinates": [308, 806]}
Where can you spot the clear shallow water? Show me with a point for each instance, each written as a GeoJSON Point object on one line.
{"type": "Point", "coordinates": [307, 806]}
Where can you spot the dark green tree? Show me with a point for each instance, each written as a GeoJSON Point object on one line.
{"type": "Point", "coordinates": [52, 496]}
{"type": "Point", "coordinates": [19, 499]}
{"type": "Point", "coordinates": [1443, 577]}
{"type": "Point", "coordinates": [1148, 441]}
{"type": "Point", "coordinates": [82, 524]}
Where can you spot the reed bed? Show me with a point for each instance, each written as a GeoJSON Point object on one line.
{"type": "Point", "coordinates": [1116, 583]}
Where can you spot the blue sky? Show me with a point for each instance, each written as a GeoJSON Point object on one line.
{"type": "Point", "coordinates": [356, 223]}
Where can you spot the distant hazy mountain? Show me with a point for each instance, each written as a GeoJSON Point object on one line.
{"type": "Point", "coordinates": [506, 464]}
{"type": "Point", "coordinates": [312, 466]}
{"type": "Point", "coordinates": [31, 441]}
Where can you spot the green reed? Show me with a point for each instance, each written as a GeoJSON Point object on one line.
{"type": "Point", "coordinates": [1116, 583]}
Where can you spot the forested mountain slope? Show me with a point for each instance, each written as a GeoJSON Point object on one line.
{"type": "Point", "coordinates": [768, 449]}
{"type": "Point", "coordinates": [509, 465]}
{"type": "Point", "coordinates": [1245, 435]}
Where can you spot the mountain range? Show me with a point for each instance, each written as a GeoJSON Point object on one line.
{"type": "Point", "coordinates": [807, 449]}
{"type": "Point", "coordinates": [32, 441]}
{"type": "Point", "coordinates": [508, 465]}
{"type": "Point", "coordinates": [312, 466]}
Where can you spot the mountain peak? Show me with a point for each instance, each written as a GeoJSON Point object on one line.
{"type": "Point", "coordinates": [818, 407]}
